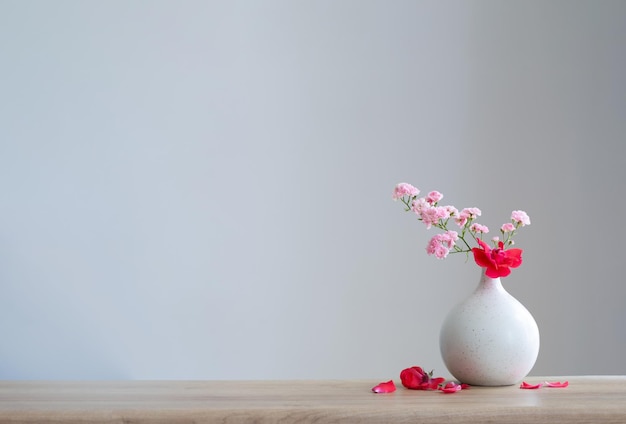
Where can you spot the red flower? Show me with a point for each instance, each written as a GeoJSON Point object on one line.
{"type": "Point", "coordinates": [497, 261]}
{"type": "Point", "coordinates": [415, 378]}
{"type": "Point", "coordinates": [386, 387]}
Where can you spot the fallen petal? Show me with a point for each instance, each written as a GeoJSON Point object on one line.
{"type": "Point", "coordinates": [451, 387]}
{"type": "Point", "coordinates": [556, 384]}
{"type": "Point", "coordinates": [386, 387]}
{"type": "Point", "coordinates": [525, 385]}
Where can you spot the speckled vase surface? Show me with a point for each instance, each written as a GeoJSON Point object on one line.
{"type": "Point", "coordinates": [490, 339]}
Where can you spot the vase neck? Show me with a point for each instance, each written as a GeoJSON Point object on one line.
{"type": "Point", "coordinates": [488, 282]}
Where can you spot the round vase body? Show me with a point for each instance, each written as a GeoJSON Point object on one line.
{"type": "Point", "coordinates": [490, 339]}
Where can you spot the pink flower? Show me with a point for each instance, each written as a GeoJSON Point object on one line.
{"type": "Point", "coordinates": [507, 228]}
{"type": "Point", "coordinates": [416, 379]}
{"type": "Point", "coordinates": [419, 205]}
{"type": "Point", "coordinates": [433, 197]}
{"type": "Point", "coordinates": [435, 247]}
{"type": "Point", "coordinates": [450, 237]}
{"type": "Point", "coordinates": [386, 387]}
{"type": "Point", "coordinates": [452, 211]}
{"type": "Point", "coordinates": [431, 215]}
{"type": "Point", "coordinates": [467, 214]}
{"type": "Point", "coordinates": [441, 252]}
{"type": "Point", "coordinates": [520, 217]}
{"type": "Point", "coordinates": [497, 261]}
{"type": "Point", "coordinates": [440, 244]}
{"type": "Point", "coordinates": [404, 189]}
{"type": "Point", "coordinates": [477, 228]}
{"type": "Point", "coordinates": [471, 213]}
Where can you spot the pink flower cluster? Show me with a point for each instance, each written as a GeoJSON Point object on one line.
{"type": "Point", "coordinates": [440, 244]}
{"type": "Point", "coordinates": [432, 214]}
{"type": "Point", "coordinates": [404, 189]}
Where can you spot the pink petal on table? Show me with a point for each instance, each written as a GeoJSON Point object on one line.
{"type": "Point", "coordinates": [386, 387]}
{"type": "Point", "coordinates": [451, 387]}
{"type": "Point", "coordinates": [525, 385]}
{"type": "Point", "coordinates": [556, 384]}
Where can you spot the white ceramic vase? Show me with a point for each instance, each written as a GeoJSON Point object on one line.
{"type": "Point", "coordinates": [489, 339]}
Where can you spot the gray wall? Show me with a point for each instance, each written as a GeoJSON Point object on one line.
{"type": "Point", "coordinates": [202, 189]}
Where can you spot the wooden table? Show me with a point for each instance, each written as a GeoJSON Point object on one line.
{"type": "Point", "coordinates": [586, 400]}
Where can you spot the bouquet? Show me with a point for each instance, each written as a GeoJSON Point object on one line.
{"type": "Point", "coordinates": [498, 260]}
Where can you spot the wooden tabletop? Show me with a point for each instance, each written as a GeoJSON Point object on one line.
{"type": "Point", "coordinates": [587, 399]}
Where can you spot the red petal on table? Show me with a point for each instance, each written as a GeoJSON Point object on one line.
{"type": "Point", "coordinates": [386, 387]}
{"type": "Point", "coordinates": [451, 387]}
{"type": "Point", "coordinates": [465, 386]}
{"type": "Point", "coordinates": [525, 385]}
{"type": "Point", "coordinates": [557, 384]}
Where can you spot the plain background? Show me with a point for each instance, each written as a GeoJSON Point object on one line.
{"type": "Point", "coordinates": [202, 189]}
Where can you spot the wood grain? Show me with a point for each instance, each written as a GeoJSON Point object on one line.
{"type": "Point", "coordinates": [591, 399]}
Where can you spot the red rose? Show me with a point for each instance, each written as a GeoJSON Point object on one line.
{"type": "Point", "coordinates": [497, 261]}
{"type": "Point", "coordinates": [415, 378]}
